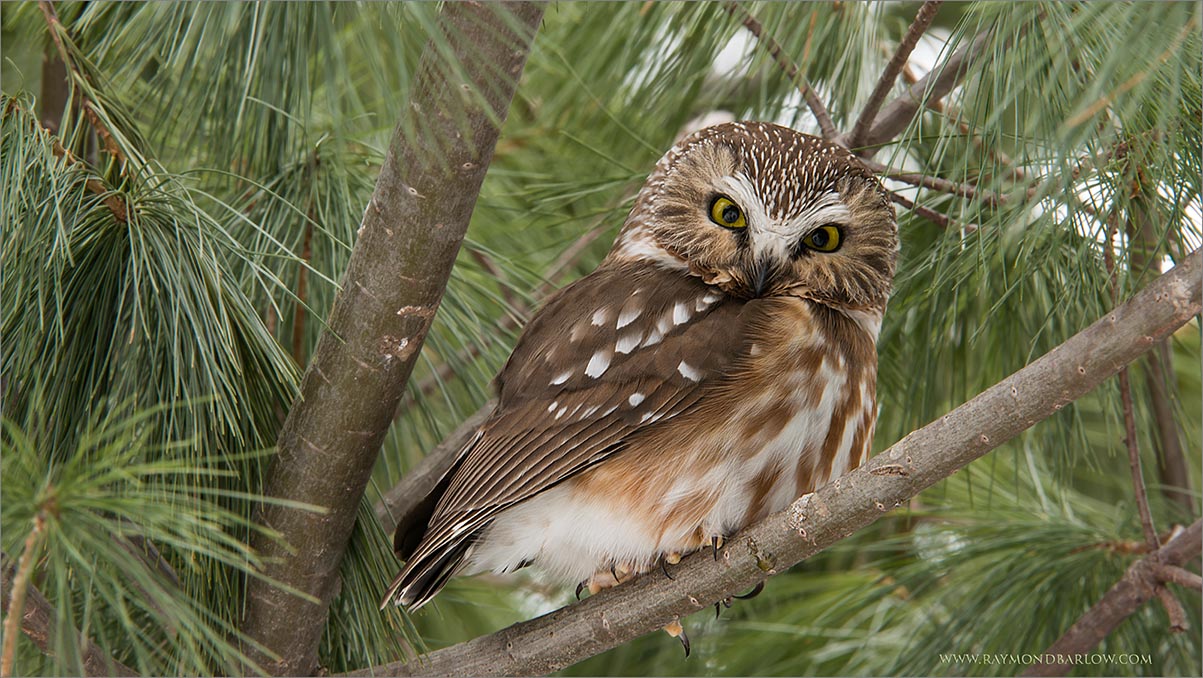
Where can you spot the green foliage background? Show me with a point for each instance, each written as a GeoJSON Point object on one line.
{"type": "Point", "coordinates": [148, 362]}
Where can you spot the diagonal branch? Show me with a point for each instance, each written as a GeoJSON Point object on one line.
{"type": "Point", "coordinates": [39, 623]}
{"type": "Point", "coordinates": [818, 520]}
{"type": "Point", "coordinates": [791, 70]}
{"type": "Point", "coordinates": [932, 87]}
{"type": "Point", "coordinates": [939, 218]}
{"type": "Point", "coordinates": [407, 244]}
{"type": "Point", "coordinates": [917, 28]}
{"type": "Point", "coordinates": [57, 30]}
{"type": "Point", "coordinates": [1137, 586]}
{"type": "Point", "coordinates": [969, 191]}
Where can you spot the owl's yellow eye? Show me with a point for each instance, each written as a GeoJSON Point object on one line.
{"type": "Point", "coordinates": [725, 213]}
{"type": "Point", "coordinates": [824, 238]}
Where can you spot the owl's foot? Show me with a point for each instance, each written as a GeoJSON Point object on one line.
{"type": "Point", "coordinates": [617, 574]}
{"type": "Point", "coordinates": [716, 543]}
{"type": "Point", "coordinates": [677, 631]}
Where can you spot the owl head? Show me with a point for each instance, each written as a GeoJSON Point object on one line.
{"type": "Point", "coordinates": [761, 210]}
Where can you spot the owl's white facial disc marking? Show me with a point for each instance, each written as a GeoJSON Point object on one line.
{"type": "Point", "coordinates": [773, 239]}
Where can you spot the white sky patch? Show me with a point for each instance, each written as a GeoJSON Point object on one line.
{"type": "Point", "coordinates": [734, 59]}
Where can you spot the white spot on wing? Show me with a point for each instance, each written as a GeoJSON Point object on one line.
{"type": "Point", "coordinates": [561, 412]}
{"type": "Point", "coordinates": [635, 399]}
{"type": "Point", "coordinates": [628, 316]}
{"type": "Point", "coordinates": [628, 342]}
{"type": "Point", "coordinates": [689, 372]}
{"type": "Point", "coordinates": [680, 313]}
{"type": "Point", "coordinates": [665, 323]}
{"type": "Point", "coordinates": [561, 378]}
{"type": "Point", "coordinates": [598, 364]}
{"type": "Point", "coordinates": [552, 407]}
{"type": "Point", "coordinates": [599, 317]}
{"type": "Point", "coordinates": [653, 337]}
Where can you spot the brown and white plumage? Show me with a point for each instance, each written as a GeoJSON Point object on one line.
{"type": "Point", "coordinates": [707, 373]}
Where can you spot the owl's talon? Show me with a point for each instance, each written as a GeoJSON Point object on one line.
{"type": "Point", "coordinates": [579, 587]}
{"type": "Point", "coordinates": [664, 569]}
{"type": "Point", "coordinates": [753, 593]}
{"type": "Point", "coordinates": [716, 543]}
{"type": "Point", "coordinates": [677, 631]}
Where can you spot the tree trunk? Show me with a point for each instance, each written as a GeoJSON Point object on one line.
{"type": "Point", "coordinates": [408, 241]}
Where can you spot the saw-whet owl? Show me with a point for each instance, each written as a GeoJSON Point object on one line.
{"type": "Point", "coordinates": [719, 363]}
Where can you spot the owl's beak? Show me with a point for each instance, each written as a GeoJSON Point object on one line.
{"type": "Point", "coordinates": [764, 273]}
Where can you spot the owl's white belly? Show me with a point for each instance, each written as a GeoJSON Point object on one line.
{"type": "Point", "coordinates": [682, 496]}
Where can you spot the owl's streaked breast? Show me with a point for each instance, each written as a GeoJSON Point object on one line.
{"type": "Point", "coordinates": [797, 411]}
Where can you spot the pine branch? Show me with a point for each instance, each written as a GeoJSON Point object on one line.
{"type": "Point", "coordinates": [932, 87]}
{"type": "Point", "coordinates": [39, 623]}
{"type": "Point", "coordinates": [963, 190]}
{"type": "Point", "coordinates": [818, 520]}
{"type": "Point", "coordinates": [95, 186]}
{"type": "Point", "coordinates": [942, 220]}
{"type": "Point", "coordinates": [57, 30]}
{"type": "Point", "coordinates": [408, 242]}
{"type": "Point", "coordinates": [917, 28]}
{"type": "Point", "coordinates": [1137, 586]}
{"type": "Point", "coordinates": [791, 70]}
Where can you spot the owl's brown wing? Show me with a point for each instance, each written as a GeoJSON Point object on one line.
{"type": "Point", "coordinates": [617, 352]}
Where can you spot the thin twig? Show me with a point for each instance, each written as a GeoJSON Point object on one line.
{"type": "Point", "coordinates": [964, 190]}
{"type": "Point", "coordinates": [826, 126]}
{"type": "Point", "coordinates": [89, 111]}
{"type": "Point", "coordinates": [300, 309]}
{"type": "Point", "coordinates": [1173, 609]}
{"type": "Point", "coordinates": [899, 113]}
{"type": "Point", "coordinates": [16, 607]}
{"type": "Point", "coordinates": [942, 220]}
{"type": "Point", "coordinates": [1125, 392]}
{"type": "Point", "coordinates": [110, 199]}
{"type": "Point", "coordinates": [1133, 590]}
{"type": "Point", "coordinates": [869, 113]}
{"type": "Point", "coordinates": [1172, 574]}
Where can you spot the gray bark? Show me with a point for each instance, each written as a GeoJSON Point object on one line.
{"type": "Point", "coordinates": [409, 239]}
{"type": "Point", "coordinates": [818, 520]}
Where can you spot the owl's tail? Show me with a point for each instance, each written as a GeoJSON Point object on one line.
{"type": "Point", "coordinates": [425, 574]}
